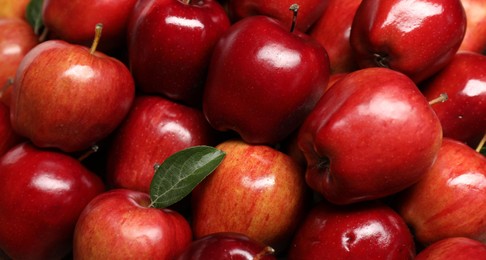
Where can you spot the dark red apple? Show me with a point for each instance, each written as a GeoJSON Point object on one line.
{"type": "Point", "coordinates": [359, 231]}
{"type": "Point", "coordinates": [264, 80]}
{"type": "Point", "coordinates": [256, 190]}
{"type": "Point", "coordinates": [170, 45]}
{"type": "Point", "coordinates": [417, 38]}
{"type": "Point", "coordinates": [8, 138]}
{"type": "Point", "coordinates": [457, 248]}
{"type": "Point", "coordinates": [450, 200]}
{"type": "Point", "coordinates": [154, 129]}
{"type": "Point", "coordinates": [43, 194]}
{"type": "Point", "coordinates": [475, 37]}
{"type": "Point", "coordinates": [464, 80]}
{"type": "Point", "coordinates": [68, 96]}
{"type": "Point", "coordinates": [371, 135]}
{"type": "Point", "coordinates": [121, 224]}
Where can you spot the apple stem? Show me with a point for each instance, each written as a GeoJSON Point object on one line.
{"type": "Point", "coordinates": [186, 2]}
{"type": "Point", "coordinates": [481, 143]}
{"type": "Point", "coordinates": [440, 99]}
{"type": "Point", "coordinates": [93, 149]}
{"type": "Point", "coordinates": [98, 29]}
{"type": "Point", "coordinates": [43, 35]}
{"type": "Point", "coordinates": [7, 85]}
{"type": "Point", "coordinates": [268, 250]}
{"type": "Point", "coordinates": [295, 9]}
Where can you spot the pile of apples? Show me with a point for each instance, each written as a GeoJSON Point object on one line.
{"type": "Point", "coordinates": [242, 129]}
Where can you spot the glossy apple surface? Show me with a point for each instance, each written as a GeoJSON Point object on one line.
{"type": "Point", "coordinates": [371, 135]}
{"type": "Point", "coordinates": [256, 190]}
{"type": "Point", "coordinates": [43, 194]}
{"type": "Point", "coordinates": [458, 248]}
{"type": "Point", "coordinates": [359, 231]}
{"type": "Point", "coordinates": [119, 224]}
{"type": "Point", "coordinates": [65, 97]}
{"type": "Point", "coordinates": [475, 37]}
{"type": "Point", "coordinates": [417, 38]}
{"type": "Point", "coordinates": [450, 200]}
{"type": "Point", "coordinates": [154, 129]}
{"type": "Point", "coordinates": [170, 45]}
{"type": "Point", "coordinates": [263, 80]}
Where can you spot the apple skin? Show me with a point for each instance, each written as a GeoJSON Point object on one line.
{"type": "Point", "coordinates": [371, 135]}
{"type": "Point", "coordinates": [43, 194]}
{"type": "Point", "coordinates": [417, 38]}
{"type": "Point", "coordinates": [17, 39]}
{"type": "Point", "coordinates": [8, 137]}
{"type": "Point", "coordinates": [369, 230]}
{"type": "Point", "coordinates": [450, 200]}
{"type": "Point", "coordinates": [226, 245]}
{"type": "Point", "coordinates": [61, 17]}
{"type": "Point", "coordinates": [170, 45]}
{"type": "Point", "coordinates": [67, 98]}
{"type": "Point", "coordinates": [458, 248]}
{"type": "Point", "coordinates": [119, 224]}
{"type": "Point", "coordinates": [464, 81]}
{"type": "Point", "coordinates": [264, 80]}
{"type": "Point", "coordinates": [309, 11]}
{"type": "Point", "coordinates": [475, 37]}
{"type": "Point", "coordinates": [13, 8]}
{"type": "Point", "coordinates": [332, 30]}
{"type": "Point", "coordinates": [256, 190]}
{"type": "Point", "coordinates": [154, 129]}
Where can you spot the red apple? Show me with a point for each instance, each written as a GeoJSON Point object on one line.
{"type": "Point", "coordinates": [475, 37]}
{"type": "Point", "coordinates": [371, 135]}
{"type": "Point", "coordinates": [68, 96]}
{"type": "Point", "coordinates": [8, 138]}
{"type": "Point", "coordinates": [358, 231]}
{"type": "Point", "coordinates": [13, 8]}
{"type": "Point", "coordinates": [464, 80]}
{"type": "Point", "coordinates": [332, 30]}
{"type": "Point", "coordinates": [450, 200]}
{"type": "Point", "coordinates": [226, 245]}
{"type": "Point", "coordinates": [154, 129]}
{"type": "Point", "coordinates": [43, 194]}
{"type": "Point", "coordinates": [264, 80]}
{"type": "Point", "coordinates": [120, 224]}
{"type": "Point", "coordinates": [73, 21]}
{"type": "Point", "coordinates": [17, 39]}
{"type": "Point", "coordinates": [256, 190]}
{"type": "Point", "coordinates": [170, 45]}
{"type": "Point", "coordinates": [417, 38]}
{"type": "Point", "coordinates": [457, 248]}
{"type": "Point", "coordinates": [309, 12]}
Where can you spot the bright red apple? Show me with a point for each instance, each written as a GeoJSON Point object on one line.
{"type": "Point", "coordinates": [264, 80]}
{"type": "Point", "coordinates": [68, 96]}
{"type": "Point", "coordinates": [464, 80]}
{"type": "Point", "coordinates": [170, 45]}
{"type": "Point", "coordinates": [8, 138]}
{"type": "Point", "coordinates": [457, 248]}
{"type": "Point", "coordinates": [43, 194]}
{"type": "Point", "coordinates": [475, 37]}
{"type": "Point", "coordinates": [371, 135]}
{"type": "Point", "coordinates": [154, 129]}
{"type": "Point", "coordinates": [256, 190]}
{"type": "Point", "coordinates": [120, 224]}
{"type": "Point", "coordinates": [417, 38]}
{"type": "Point", "coordinates": [450, 200]}
{"type": "Point", "coordinates": [359, 231]}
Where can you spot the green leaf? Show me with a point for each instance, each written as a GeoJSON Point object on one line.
{"type": "Point", "coordinates": [34, 15]}
{"type": "Point", "coordinates": [180, 173]}
{"type": "Point", "coordinates": [483, 150]}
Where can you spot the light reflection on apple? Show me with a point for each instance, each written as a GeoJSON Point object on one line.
{"type": "Point", "coordinates": [407, 19]}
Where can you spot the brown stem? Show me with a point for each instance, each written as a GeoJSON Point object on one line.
{"type": "Point", "coordinates": [186, 2]}
{"type": "Point", "coordinates": [93, 149]}
{"type": "Point", "coordinates": [481, 143]}
{"type": "Point", "coordinates": [441, 98]}
{"type": "Point", "coordinates": [295, 9]}
{"type": "Point", "coordinates": [98, 29]}
{"type": "Point", "coordinates": [43, 35]}
{"type": "Point", "coordinates": [266, 251]}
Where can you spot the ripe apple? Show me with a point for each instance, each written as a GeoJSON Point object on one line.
{"type": "Point", "coordinates": [256, 190]}
{"type": "Point", "coordinates": [154, 129]}
{"type": "Point", "coordinates": [450, 200]}
{"type": "Point", "coordinates": [263, 80]}
{"type": "Point", "coordinates": [417, 38]}
{"type": "Point", "coordinates": [13, 8]}
{"type": "Point", "coordinates": [368, 230]}
{"type": "Point", "coordinates": [17, 39]}
{"type": "Point", "coordinates": [120, 224]}
{"type": "Point", "coordinates": [73, 21]}
{"type": "Point", "coordinates": [464, 81]}
{"type": "Point", "coordinates": [8, 138]}
{"type": "Point", "coordinates": [457, 248]}
{"type": "Point", "coordinates": [475, 37]}
{"type": "Point", "coordinates": [68, 96]}
{"type": "Point", "coordinates": [371, 135]}
{"type": "Point", "coordinates": [332, 30]}
{"type": "Point", "coordinates": [170, 44]}
{"type": "Point", "coordinates": [43, 194]}
{"type": "Point", "coordinates": [226, 245]}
